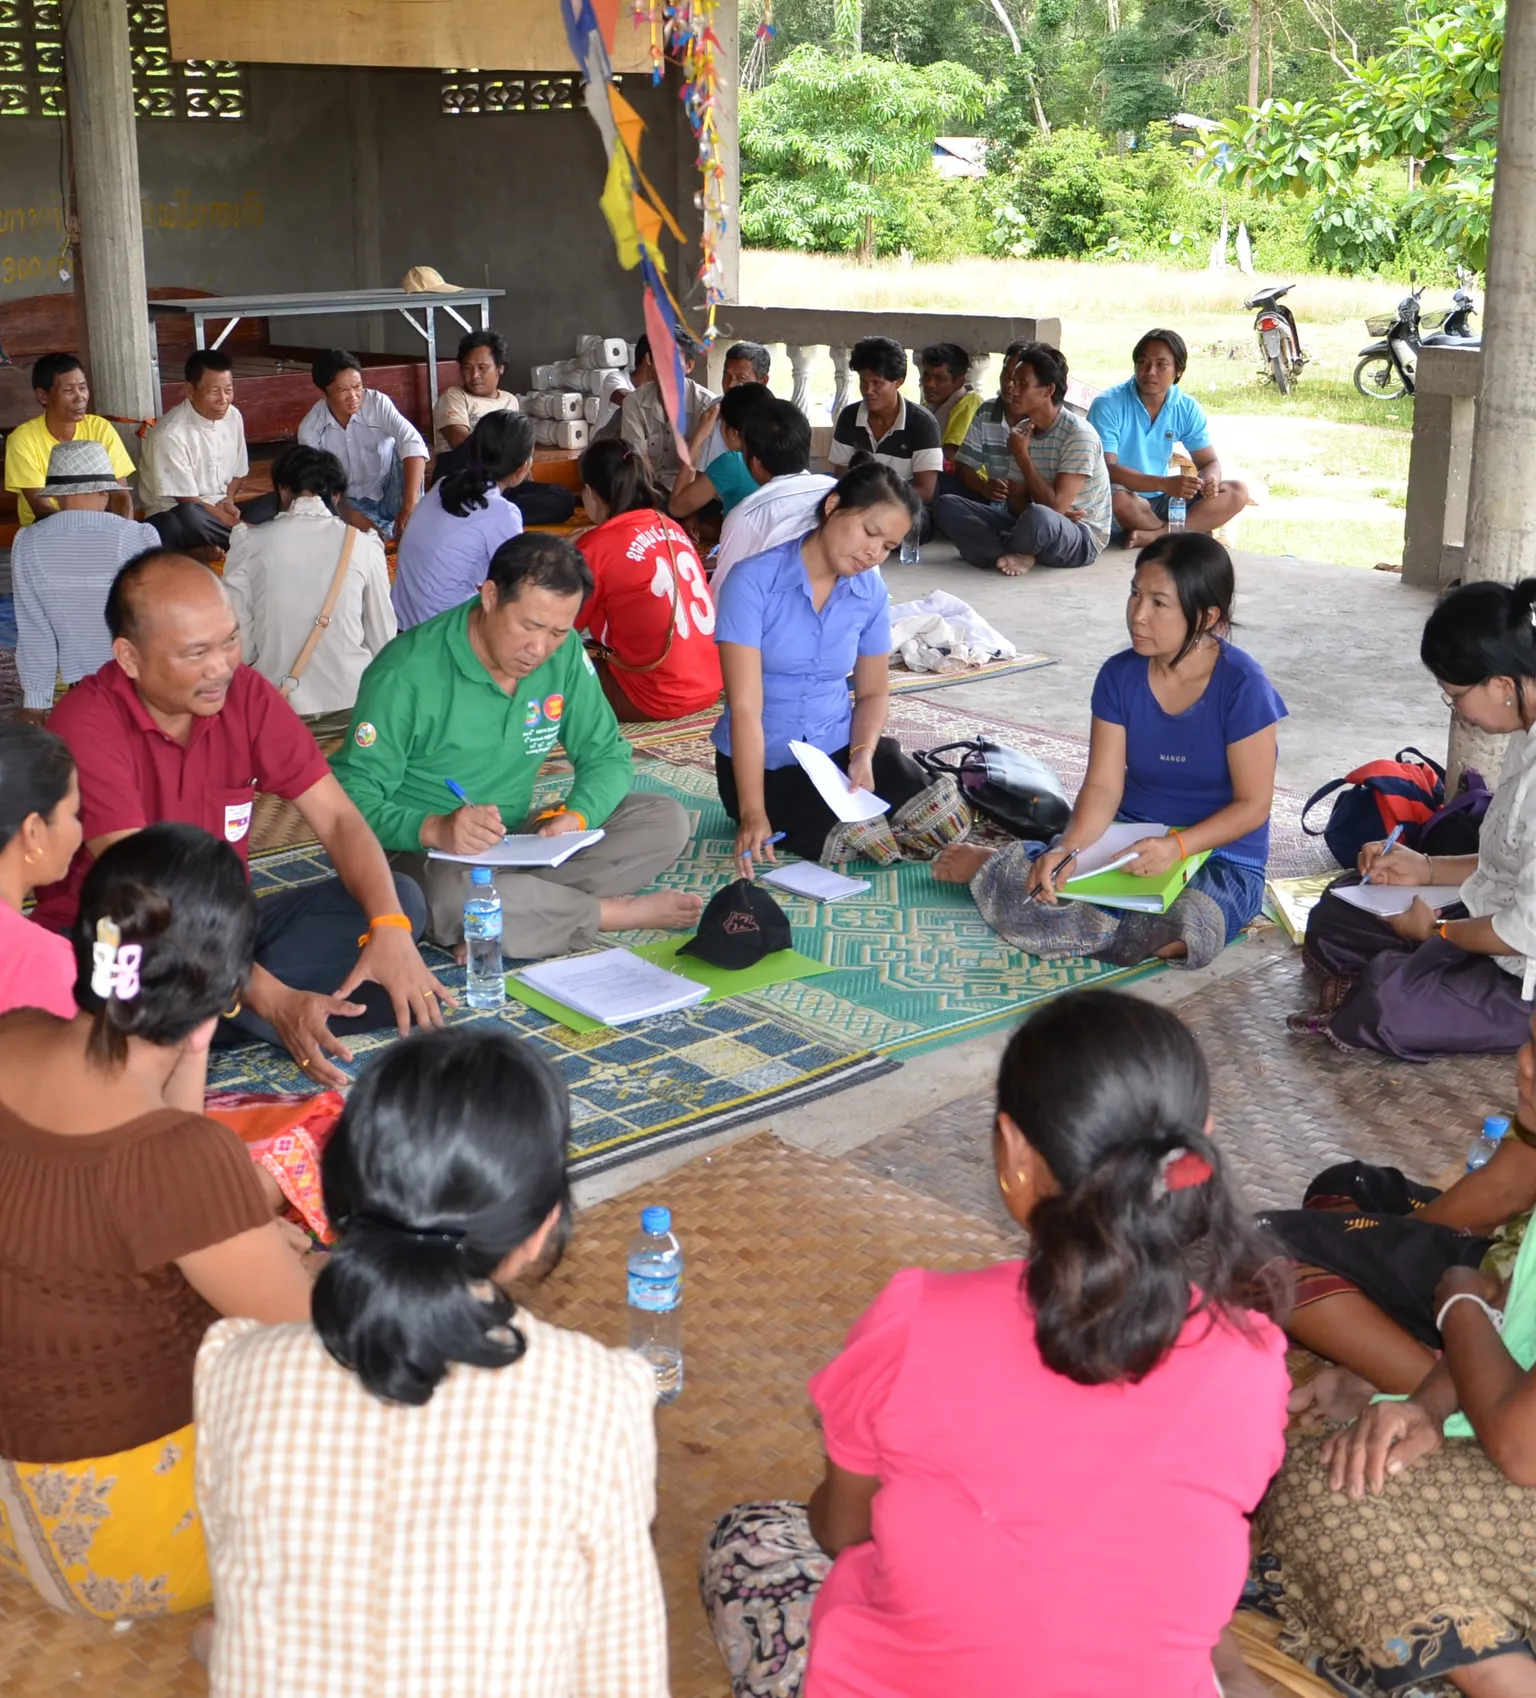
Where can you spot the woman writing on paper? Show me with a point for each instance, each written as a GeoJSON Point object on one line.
{"type": "Point", "coordinates": [1184, 736]}
{"type": "Point", "coordinates": [1421, 984]}
{"type": "Point", "coordinates": [794, 622]}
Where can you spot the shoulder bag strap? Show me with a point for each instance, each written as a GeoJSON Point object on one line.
{"type": "Point", "coordinates": [612, 659]}
{"type": "Point", "coordinates": [295, 672]}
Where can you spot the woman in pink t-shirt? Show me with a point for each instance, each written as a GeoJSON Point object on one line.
{"type": "Point", "coordinates": [39, 834]}
{"type": "Point", "coordinates": [1039, 1474]}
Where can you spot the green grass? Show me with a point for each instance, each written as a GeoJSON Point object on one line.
{"type": "Point", "coordinates": [1361, 542]}
{"type": "Point", "coordinates": [1395, 495]}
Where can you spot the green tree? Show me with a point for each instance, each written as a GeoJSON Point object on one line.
{"type": "Point", "coordinates": [1432, 98]}
{"type": "Point", "coordinates": [836, 145]}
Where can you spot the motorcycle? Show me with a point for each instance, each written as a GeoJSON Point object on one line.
{"type": "Point", "coordinates": [1279, 338]}
{"type": "Point", "coordinates": [1389, 366]}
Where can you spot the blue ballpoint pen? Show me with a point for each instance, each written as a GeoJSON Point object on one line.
{"type": "Point", "coordinates": [1386, 848]}
{"type": "Point", "coordinates": [458, 791]}
{"type": "Point", "coordinates": [778, 837]}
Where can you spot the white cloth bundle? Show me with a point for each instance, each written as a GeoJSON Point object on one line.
{"type": "Point", "coordinates": [600, 353]}
{"type": "Point", "coordinates": [552, 404]}
{"type": "Point", "coordinates": [940, 632]}
{"type": "Point", "coordinates": [591, 409]}
{"type": "Point", "coordinates": [543, 377]}
{"type": "Point", "coordinates": [560, 433]}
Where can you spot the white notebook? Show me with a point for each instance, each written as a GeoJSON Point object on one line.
{"type": "Point", "coordinates": [807, 878]}
{"type": "Point", "coordinates": [526, 849]}
{"type": "Point", "coordinates": [1112, 852]}
{"type": "Point", "coordinates": [615, 986]}
{"type": "Point", "coordinates": [1385, 900]}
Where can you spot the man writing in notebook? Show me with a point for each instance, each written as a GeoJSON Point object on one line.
{"type": "Point", "coordinates": [481, 696]}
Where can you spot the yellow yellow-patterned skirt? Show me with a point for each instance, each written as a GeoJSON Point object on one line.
{"type": "Point", "coordinates": [114, 1536]}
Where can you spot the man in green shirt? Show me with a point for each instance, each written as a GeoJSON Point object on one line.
{"type": "Point", "coordinates": [481, 695]}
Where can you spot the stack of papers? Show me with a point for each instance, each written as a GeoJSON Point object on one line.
{"type": "Point", "coordinates": [850, 805]}
{"type": "Point", "coordinates": [613, 986]}
{"type": "Point", "coordinates": [1386, 900]}
{"type": "Point", "coordinates": [1099, 879]}
{"type": "Point", "coordinates": [1293, 900]}
{"type": "Point", "coordinates": [526, 849]}
{"type": "Point", "coordinates": [807, 878]}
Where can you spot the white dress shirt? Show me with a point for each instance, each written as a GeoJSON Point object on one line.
{"type": "Point", "coordinates": [773, 513]}
{"type": "Point", "coordinates": [277, 577]}
{"type": "Point", "coordinates": [188, 455]}
{"type": "Point", "coordinates": [1503, 889]}
{"type": "Point", "coordinates": [368, 444]}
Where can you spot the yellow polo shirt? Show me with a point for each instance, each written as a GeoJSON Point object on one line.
{"type": "Point", "coordinates": [28, 447]}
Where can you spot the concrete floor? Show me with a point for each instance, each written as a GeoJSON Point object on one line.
{"type": "Point", "coordinates": [1340, 644]}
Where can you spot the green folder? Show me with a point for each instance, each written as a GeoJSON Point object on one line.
{"type": "Point", "coordinates": [1127, 890]}
{"type": "Point", "coordinates": [776, 969]}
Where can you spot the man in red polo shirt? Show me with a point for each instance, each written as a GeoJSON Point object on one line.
{"type": "Point", "coordinates": [173, 727]}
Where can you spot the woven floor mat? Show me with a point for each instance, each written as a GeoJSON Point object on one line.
{"type": "Point", "coordinates": [1286, 1107]}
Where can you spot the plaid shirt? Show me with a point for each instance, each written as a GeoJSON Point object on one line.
{"type": "Point", "coordinates": [1070, 445]}
{"type": "Point", "coordinates": [496, 1540]}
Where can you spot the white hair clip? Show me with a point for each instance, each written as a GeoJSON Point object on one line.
{"type": "Point", "coordinates": [114, 964]}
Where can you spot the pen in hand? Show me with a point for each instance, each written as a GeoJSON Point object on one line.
{"type": "Point", "coordinates": [778, 837]}
{"type": "Point", "coordinates": [458, 791]}
{"type": "Point", "coordinates": [1386, 848]}
{"type": "Point", "coordinates": [1054, 876]}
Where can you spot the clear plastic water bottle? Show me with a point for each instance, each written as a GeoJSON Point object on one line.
{"type": "Point", "coordinates": [656, 1301]}
{"type": "Point", "coordinates": [1485, 1146]}
{"type": "Point", "coordinates": [911, 552]}
{"type": "Point", "coordinates": [1178, 512]}
{"type": "Point", "coordinates": [485, 982]}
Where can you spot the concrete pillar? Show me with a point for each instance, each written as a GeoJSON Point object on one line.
{"type": "Point", "coordinates": [728, 127]}
{"type": "Point", "coordinates": [1501, 521]}
{"type": "Point", "coordinates": [99, 75]}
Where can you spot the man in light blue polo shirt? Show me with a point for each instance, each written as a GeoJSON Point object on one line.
{"type": "Point", "coordinates": [1138, 422]}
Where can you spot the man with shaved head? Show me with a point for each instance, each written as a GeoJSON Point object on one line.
{"type": "Point", "coordinates": [173, 727]}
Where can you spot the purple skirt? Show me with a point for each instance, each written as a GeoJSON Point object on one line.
{"type": "Point", "coordinates": [1413, 1000]}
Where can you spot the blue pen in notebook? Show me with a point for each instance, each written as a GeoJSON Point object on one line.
{"type": "Point", "coordinates": [1386, 848]}
{"type": "Point", "coordinates": [778, 837]}
{"type": "Point", "coordinates": [458, 791]}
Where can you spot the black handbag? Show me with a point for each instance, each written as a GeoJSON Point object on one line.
{"type": "Point", "coordinates": [1016, 790]}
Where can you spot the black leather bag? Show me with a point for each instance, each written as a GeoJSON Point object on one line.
{"type": "Point", "coordinates": [1016, 790]}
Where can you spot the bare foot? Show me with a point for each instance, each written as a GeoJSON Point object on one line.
{"type": "Point", "coordinates": [661, 910]}
{"type": "Point", "coordinates": [1140, 539]}
{"type": "Point", "coordinates": [1334, 1394]}
{"type": "Point", "coordinates": [960, 862]}
{"type": "Point", "coordinates": [1015, 565]}
{"type": "Point", "coordinates": [202, 1639]}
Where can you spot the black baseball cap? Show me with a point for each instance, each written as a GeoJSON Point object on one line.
{"type": "Point", "coordinates": [740, 926]}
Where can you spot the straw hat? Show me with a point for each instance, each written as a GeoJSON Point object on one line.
{"type": "Point", "coordinates": [79, 468]}
{"type": "Point", "coordinates": [423, 280]}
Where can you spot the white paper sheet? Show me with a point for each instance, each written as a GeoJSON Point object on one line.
{"type": "Point", "coordinates": [526, 849]}
{"type": "Point", "coordinates": [851, 806]}
{"type": "Point", "coordinates": [806, 878]}
{"type": "Point", "coordinates": [1386, 900]}
{"type": "Point", "coordinates": [615, 986]}
{"type": "Point", "coordinates": [1111, 852]}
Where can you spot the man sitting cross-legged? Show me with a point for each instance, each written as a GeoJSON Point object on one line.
{"type": "Point", "coordinates": [1037, 471]}
{"type": "Point", "coordinates": [1138, 422]}
{"type": "Point", "coordinates": [481, 695]}
{"type": "Point", "coordinates": [174, 728]}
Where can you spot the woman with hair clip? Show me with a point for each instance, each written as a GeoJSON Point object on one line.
{"type": "Point", "coordinates": [484, 1482]}
{"type": "Point", "coordinates": [795, 621]}
{"type": "Point", "coordinates": [310, 571]}
{"type": "Point", "coordinates": [650, 617]}
{"type": "Point", "coordinates": [461, 521]}
{"type": "Point", "coordinates": [130, 1223]}
{"type": "Point", "coordinates": [39, 834]}
{"type": "Point", "coordinates": [1038, 1474]}
{"type": "Point", "coordinates": [1183, 737]}
{"type": "Point", "coordinates": [1422, 983]}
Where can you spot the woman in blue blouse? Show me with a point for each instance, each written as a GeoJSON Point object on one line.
{"type": "Point", "coordinates": [1183, 736]}
{"type": "Point", "coordinates": [793, 623]}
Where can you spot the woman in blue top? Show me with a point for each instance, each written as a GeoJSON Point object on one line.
{"type": "Point", "coordinates": [1183, 736]}
{"type": "Point", "coordinates": [792, 623]}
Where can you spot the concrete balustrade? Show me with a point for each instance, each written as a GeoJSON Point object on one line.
{"type": "Point", "coordinates": [1440, 464]}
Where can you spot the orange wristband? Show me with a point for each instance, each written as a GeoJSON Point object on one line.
{"type": "Point", "coordinates": [383, 920]}
{"type": "Point", "coordinates": [1178, 837]}
{"type": "Point", "coordinates": [555, 813]}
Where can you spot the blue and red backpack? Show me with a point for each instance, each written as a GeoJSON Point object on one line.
{"type": "Point", "coordinates": [1408, 791]}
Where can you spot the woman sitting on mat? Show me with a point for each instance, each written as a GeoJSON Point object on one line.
{"type": "Point", "coordinates": [651, 613]}
{"type": "Point", "coordinates": [1038, 1474]}
{"type": "Point", "coordinates": [1416, 1566]}
{"type": "Point", "coordinates": [453, 1491]}
{"type": "Point", "coordinates": [39, 834]}
{"type": "Point", "coordinates": [795, 621]}
{"type": "Point", "coordinates": [130, 1223]}
{"type": "Point", "coordinates": [1420, 984]}
{"type": "Point", "coordinates": [1183, 736]}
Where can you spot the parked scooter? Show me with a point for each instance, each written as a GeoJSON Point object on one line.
{"type": "Point", "coordinates": [1389, 366]}
{"type": "Point", "coordinates": [1279, 339]}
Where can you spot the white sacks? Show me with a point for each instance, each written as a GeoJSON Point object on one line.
{"type": "Point", "coordinates": [560, 433]}
{"type": "Point", "coordinates": [600, 353]}
{"type": "Point", "coordinates": [552, 404]}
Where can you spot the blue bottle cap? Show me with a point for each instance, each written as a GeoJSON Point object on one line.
{"type": "Point", "coordinates": [480, 875]}
{"type": "Point", "coordinates": [656, 1220]}
{"type": "Point", "coordinates": [1495, 1126]}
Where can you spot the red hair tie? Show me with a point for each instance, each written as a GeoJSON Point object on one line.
{"type": "Point", "coordinates": [1179, 1170]}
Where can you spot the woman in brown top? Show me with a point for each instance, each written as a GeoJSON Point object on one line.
{"type": "Point", "coordinates": [130, 1224]}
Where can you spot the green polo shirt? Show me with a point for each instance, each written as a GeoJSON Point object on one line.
{"type": "Point", "coordinates": [428, 710]}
